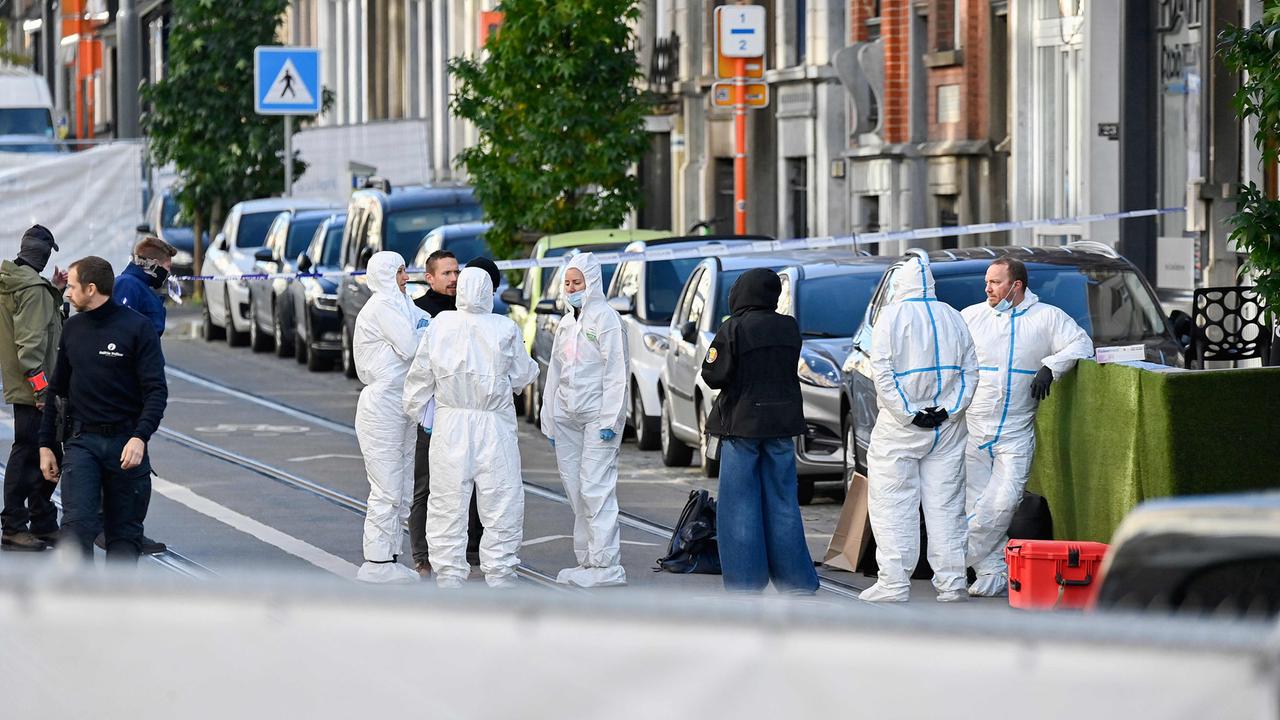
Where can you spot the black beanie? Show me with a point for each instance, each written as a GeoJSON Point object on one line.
{"type": "Point", "coordinates": [488, 266]}
{"type": "Point", "coordinates": [37, 246]}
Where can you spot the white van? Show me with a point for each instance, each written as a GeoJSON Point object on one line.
{"type": "Point", "coordinates": [26, 112]}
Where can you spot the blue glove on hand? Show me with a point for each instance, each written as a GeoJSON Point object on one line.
{"type": "Point", "coordinates": [422, 322]}
{"type": "Point", "coordinates": [553, 442]}
{"type": "Point", "coordinates": [607, 434]}
{"type": "Point", "coordinates": [428, 430]}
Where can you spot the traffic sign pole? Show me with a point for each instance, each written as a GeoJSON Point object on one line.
{"type": "Point", "coordinates": [288, 156]}
{"type": "Point", "coordinates": [740, 146]}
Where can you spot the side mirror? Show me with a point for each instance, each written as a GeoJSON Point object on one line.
{"type": "Point", "coordinates": [688, 331]}
{"type": "Point", "coordinates": [144, 228]}
{"type": "Point", "coordinates": [623, 304]}
{"type": "Point", "coordinates": [546, 307]}
{"type": "Point", "coordinates": [362, 261]}
{"type": "Point", "coordinates": [513, 296]}
{"type": "Point", "coordinates": [220, 241]}
{"type": "Point", "coordinates": [1182, 327]}
{"type": "Point", "coordinates": [264, 255]}
{"type": "Point", "coordinates": [304, 263]}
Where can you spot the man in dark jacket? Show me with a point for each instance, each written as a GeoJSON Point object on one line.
{"type": "Point", "coordinates": [441, 296]}
{"type": "Point", "coordinates": [111, 372]}
{"type": "Point", "coordinates": [30, 324]}
{"type": "Point", "coordinates": [759, 411]}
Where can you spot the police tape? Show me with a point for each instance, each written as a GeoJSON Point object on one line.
{"type": "Point", "coordinates": [713, 249]}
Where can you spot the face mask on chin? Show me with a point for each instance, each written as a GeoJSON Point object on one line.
{"type": "Point", "coordinates": [1004, 305]}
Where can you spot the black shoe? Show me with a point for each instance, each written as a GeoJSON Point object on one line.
{"type": "Point", "coordinates": [149, 546]}
{"type": "Point", "coordinates": [50, 539]}
{"type": "Point", "coordinates": [21, 541]}
{"type": "Point", "coordinates": [473, 558]}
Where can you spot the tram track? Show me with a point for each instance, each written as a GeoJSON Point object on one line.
{"type": "Point", "coordinates": [631, 520]}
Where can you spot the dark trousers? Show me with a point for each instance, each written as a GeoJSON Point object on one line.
{"type": "Point", "coordinates": [27, 504]}
{"type": "Point", "coordinates": [93, 486]}
{"type": "Point", "coordinates": [418, 510]}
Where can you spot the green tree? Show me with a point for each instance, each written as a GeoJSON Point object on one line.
{"type": "Point", "coordinates": [559, 115]}
{"type": "Point", "coordinates": [201, 115]}
{"type": "Point", "coordinates": [8, 55]}
{"type": "Point", "coordinates": [1255, 52]}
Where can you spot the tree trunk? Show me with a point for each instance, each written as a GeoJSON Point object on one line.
{"type": "Point", "coordinates": [197, 256]}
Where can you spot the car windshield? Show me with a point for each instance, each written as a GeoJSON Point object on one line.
{"type": "Point", "coordinates": [466, 247]}
{"type": "Point", "coordinates": [253, 229]}
{"type": "Point", "coordinates": [833, 306]}
{"type": "Point", "coordinates": [300, 234]}
{"type": "Point", "coordinates": [727, 279]}
{"type": "Point", "coordinates": [663, 281]}
{"type": "Point", "coordinates": [606, 271]}
{"type": "Point", "coordinates": [1111, 304]}
{"type": "Point", "coordinates": [171, 213]}
{"type": "Point", "coordinates": [331, 255]}
{"type": "Point", "coordinates": [555, 288]}
{"type": "Point", "coordinates": [26, 121]}
{"type": "Point", "coordinates": [405, 229]}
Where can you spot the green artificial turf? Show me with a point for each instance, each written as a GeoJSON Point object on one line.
{"type": "Point", "coordinates": [1111, 436]}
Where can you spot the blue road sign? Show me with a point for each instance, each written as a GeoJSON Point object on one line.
{"type": "Point", "coordinates": [286, 80]}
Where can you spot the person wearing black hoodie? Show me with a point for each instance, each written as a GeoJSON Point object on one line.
{"type": "Point", "coordinates": [752, 362]}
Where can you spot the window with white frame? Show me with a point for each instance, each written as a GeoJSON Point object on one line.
{"type": "Point", "coordinates": [1058, 131]}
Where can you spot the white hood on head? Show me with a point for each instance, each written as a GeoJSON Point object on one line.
{"type": "Point", "coordinates": [382, 270]}
{"type": "Point", "coordinates": [587, 264]}
{"type": "Point", "coordinates": [475, 291]}
{"type": "Point", "coordinates": [913, 280]}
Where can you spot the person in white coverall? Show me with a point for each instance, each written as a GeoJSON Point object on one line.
{"type": "Point", "coordinates": [583, 417]}
{"type": "Point", "coordinates": [384, 343]}
{"type": "Point", "coordinates": [1023, 346]}
{"type": "Point", "coordinates": [925, 371]}
{"type": "Point", "coordinates": [472, 361]}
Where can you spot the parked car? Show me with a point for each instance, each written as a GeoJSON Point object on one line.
{"type": "Point", "coordinates": [231, 254]}
{"type": "Point", "coordinates": [1098, 288]}
{"type": "Point", "coordinates": [317, 330]}
{"type": "Point", "coordinates": [523, 298]}
{"type": "Point", "coordinates": [467, 242]}
{"type": "Point", "coordinates": [270, 314]}
{"type": "Point", "coordinates": [683, 397]}
{"type": "Point", "coordinates": [164, 220]}
{"type": "Point", "coordinates": [645, 295]}
{"type": "Point", "coordinates": [26, 113]}
{"type": "Point", "coordinates": [828, 298]}
{"type": "Point", "coordinates": [379, 218]}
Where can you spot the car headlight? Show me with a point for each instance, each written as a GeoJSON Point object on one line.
{"type": "Point", "coordinates": [656, 343]}
{"type": "Point", "coordinates": [326, 301]}
{"type": "Point", "coordinates": [814, 369]}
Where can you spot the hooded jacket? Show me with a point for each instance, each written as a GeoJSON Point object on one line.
{"type": "Point", "coordinates": [386, 334]}
{"type": "Point", "coordinates": [30, 328]}
{"type": "Point", "coordinates": [133, 290]}
{"type": "Point", "coordinates": [753, 361]}
{"type": "Point", "coordinates": [587, 380]}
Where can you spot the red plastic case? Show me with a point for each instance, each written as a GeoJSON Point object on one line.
{"type": "Point", "coordinates": [1052, 574]}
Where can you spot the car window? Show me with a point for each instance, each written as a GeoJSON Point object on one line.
{"type": "Point", "coordinates": [698, 305]}
{"type": "Point", "coordinates": [663, 281]}
{"type": "Point", "coordinates": [332, 252]}
{"type": "Point", "coordinates": [686, 296]}
{"type": "Point", "coordinates": [252, 231]}
{"type": "Point", "coordinates": [171, 213]}
{"type": "Point", "coordinates": [466, 247]}
{"type": "Point", "coordinates": [26, 121]}
{"type": "Point", "coordinates": [406, 229]}
{"type": "Point", "coordinates": [727, 279]}
{"type": "Point", "coordinates": [785, 305]}
{"type": "Point", "coordinates": [627, 282]}
{"type": "Point", "coordinates": [275, 232]}
{"type": "Point", "coordinates": [833, 306]}
{"type": "Point", "coordinates": [884, 294]}
{"type": "Point", "coordinates": [299, 236]}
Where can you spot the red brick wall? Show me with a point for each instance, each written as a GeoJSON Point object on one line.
{"type": "Point", "coordinates": [895, 28]}
{"type": "Point", "coordinates": [971, 76]}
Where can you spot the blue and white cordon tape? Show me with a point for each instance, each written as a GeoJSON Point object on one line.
{"type": "Point", "coordinates": [759, 246]}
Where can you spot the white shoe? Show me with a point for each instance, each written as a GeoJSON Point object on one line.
{"type": "Point", "coordinates": [386, 573]}
{"type": "Point", "coordinates": [950, 596]}
{"type": "Point", "coordinates": [879, 593]}
{"type": "Point", "coordinates": [993, 585]}
{"type": "Point", "coordinates": [567, 575]}
{"type": "Point", "coordinates": [589, 577]}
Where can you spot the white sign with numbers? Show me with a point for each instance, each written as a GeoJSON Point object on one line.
{"type": "Point", "coordinates": [741, 30]}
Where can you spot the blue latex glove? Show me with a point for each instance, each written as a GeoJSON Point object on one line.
{"type": "Point", "coordinates": [422, 322]}
{"type": "Point", "coordinates": [428, 430]}
{"type": "Point", "coordinates": [608, 434]}
{"type": "Point", "coordinates": [553, 442]}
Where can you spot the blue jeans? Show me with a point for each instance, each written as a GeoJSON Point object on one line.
{"type": "Point", "coordinates": [92, 482]}
{"type": "Point", "coordinates": [758, 524]}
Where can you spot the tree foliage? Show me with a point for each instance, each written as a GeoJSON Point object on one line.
{"type": "Point", "coordinates": [201, 115]}
{"type": "Point", "coordinates": [1255, 52]}
{"type": "Point", "coordinates": [559, 115]}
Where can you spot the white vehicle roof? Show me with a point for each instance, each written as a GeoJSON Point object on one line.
{"type": "Point", "coordinates": [280, 204]}
{"type": "Point", "coordinates": [21, 88]}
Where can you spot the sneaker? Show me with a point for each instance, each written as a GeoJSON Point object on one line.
{"type": "Point", "coordinates": [949, 596]}
{"type": "Point", "coordinates": [993, 585]}
{"type": "Point", "coordinates": [50, 539]}
{"type": "Point", "coordinates": [423, 569]}
{"type": "Point", "coordinates": [879, 593]}
{"type": "Point", "coordinates": [21, 541]}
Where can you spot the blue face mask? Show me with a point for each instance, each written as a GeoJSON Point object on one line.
{"type": "Point", "coordinates": [1004, 305]}
{"type": "Point", "coordinates": [575, 298]}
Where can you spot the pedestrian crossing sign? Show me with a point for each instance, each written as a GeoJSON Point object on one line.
{"type": "Point", "coordinates": [286, 80]}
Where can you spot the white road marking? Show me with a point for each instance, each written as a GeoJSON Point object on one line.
{"type": "Point", "coordinates": [642, 544]}
{"type": "Point", "coordinates": [249, 526]}
{"type": "Point", "coordinates": [196, 401]}
{"type": "Point", "coordinates": [545, 539]}
{"type": "Point", "coordinates": [309, 458]}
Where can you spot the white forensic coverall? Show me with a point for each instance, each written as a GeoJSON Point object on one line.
{"type": "Point", "coordinates": [383, 346]}
{"type": "Point", "coordinates": [587, 393]}
{"type": "Point", "coordinates": [921, 357]}
{"type": "Point", "coordinates": [472, 361]}
{"type": "Point", "coordinates": [1012, 346]}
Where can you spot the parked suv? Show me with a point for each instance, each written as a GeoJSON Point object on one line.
{"type": "Point", "coordinates": [828, 298]}
{"type": "Point", "coordinates": [1098, 288]}
{"type": "Point", "coordinates": [270, 314]}
{"type": "Point", "coordinates": [379, 218]}
{"type": "Point", "coordinates": [645, 295]}
{"type": "Point", "coordinates": [231, 254]}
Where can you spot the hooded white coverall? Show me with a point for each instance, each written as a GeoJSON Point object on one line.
{"type": "Point", "coordinates": [587, 393]}
{"type": "Point", "coordinates": [383, 346]}
{"type": "Point", "coordinates": [1012, 346]}
{"type": "Point", "coordinates": [921, 357]}
{"type": "Point", "coordinates": [472, 361]}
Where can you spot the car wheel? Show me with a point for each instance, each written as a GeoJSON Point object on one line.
{"type": "Point", "coordinates": [530, 403]}
{"type": "Point", "coordinates": [280, 333]}
{"type": "Point", "coordinates": [647, 430]}
{"type": "Point", "coordinates": [804, 490]}
{"type": "Point", "coordinates": [301, 344]}
{"type": "Point", "coordinates": [674, 452]}
{"type": "Point", "coordinates": [258, 340]}
{"type": "Point", "coordinates": [208, 330]}
{"type": "Point", "coordinates": [348, 353]}
{"type": "Point", "coordinates": [234, 338]}
{"type": "Point", "coordinates": [710, 467]}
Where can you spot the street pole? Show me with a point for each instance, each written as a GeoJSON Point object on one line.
{"type": "Point", "coordinates": [288, 156]}
{"type": "Point", "coordinates": [740, 146]}
{"type": "Point", "coordinates": [129, 69]}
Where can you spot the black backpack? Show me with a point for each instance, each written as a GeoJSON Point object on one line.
{"type": "Point", "coordinates": [693, 547]}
